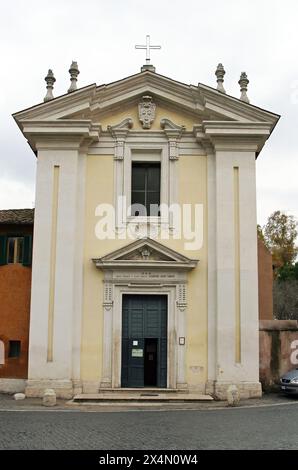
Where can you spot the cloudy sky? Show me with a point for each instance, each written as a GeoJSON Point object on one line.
{"type": "Point", "coordinates": [257, 36]}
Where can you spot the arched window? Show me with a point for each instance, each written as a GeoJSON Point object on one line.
{"type": "Point", "coordinates": [2, 353]}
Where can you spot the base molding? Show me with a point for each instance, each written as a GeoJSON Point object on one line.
{"type": "Point", "coordinates": [218, 389]}
{"type": "Point", "coordinates": [182, 385]}
{"type": "Point", "coordinates": [197, 388]}
{"type": "Point", "coordinates": [68, 388]}
{"type": "Point", "coordinates": [105, 384]}
{"type": "Point", "coordinates": [63, 388]}
{"type": "Point", "coordinates": [93, 386]}
{"type": "Point", "coordinates": [12, 385]}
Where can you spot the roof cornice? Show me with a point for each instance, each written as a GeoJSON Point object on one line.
{"type": "Point", "coordinates": [77, 99]}
{"type": "Point", "coordinates": [233, 116]}
{"type": "Point", "coordinates": [217, 101]}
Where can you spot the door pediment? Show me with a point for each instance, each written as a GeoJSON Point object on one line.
{"type": "Point", "coordinates": [145, 253]}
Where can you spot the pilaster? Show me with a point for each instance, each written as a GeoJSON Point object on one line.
{"type": "Point", "coordinates": [57, 270]}
{"type": "Point", "coordinates": [232, 265]}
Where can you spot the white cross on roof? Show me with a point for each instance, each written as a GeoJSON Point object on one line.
{"type": "Point", "coordinates": [147, 47]}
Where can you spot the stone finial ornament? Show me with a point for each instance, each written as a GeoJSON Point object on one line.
{"type": "Point", "coordinates": [243, 82]}
{"type": "Point", "coordinates": [50, 80]}
{"type": "Point", "coordinates": [74, 72]}
{"type": "Point", "coordinates": [220, 73]}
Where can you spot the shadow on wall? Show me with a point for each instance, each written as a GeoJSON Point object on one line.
{"type": "Point", "coordinates": [278, 351]}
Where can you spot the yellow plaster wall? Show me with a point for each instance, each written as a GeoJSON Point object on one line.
{"type": "Point", "coordinates": [99, 176]}
{"type": "Point", "coordinates": [192, 188]}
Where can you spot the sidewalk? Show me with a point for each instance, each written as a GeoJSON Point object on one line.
{"type": "Point", "coordinates": [7, 403]}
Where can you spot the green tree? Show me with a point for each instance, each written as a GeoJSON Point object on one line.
{"type": "Point", "coordinates": [260, 233]}
{"type": "Point", "coordinates": [280, 234]}
{"type": "Point", "coordinates": [288, 272]}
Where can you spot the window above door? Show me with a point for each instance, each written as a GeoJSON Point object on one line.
{"type": "Point", "coordinates": [145, 189]}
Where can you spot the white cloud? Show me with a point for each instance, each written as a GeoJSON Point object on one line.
{"type": "Point", "coordinates": [16, 195]}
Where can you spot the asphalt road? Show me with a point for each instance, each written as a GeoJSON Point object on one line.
{"type": "Point", "coordinates": [269, 427]}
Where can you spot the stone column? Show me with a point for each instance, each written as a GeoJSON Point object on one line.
{"type": "Point", "coordinates": [55, 300]}
{"type": "Point", "coordinates": [233, 275]}
{"type": "Point", "coordinates": [236, 272]}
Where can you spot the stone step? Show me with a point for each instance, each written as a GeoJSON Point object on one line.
{"type": "Point", "coordinates": [86, 398]}
{"type": "Point", "coordinates": [143, 391]}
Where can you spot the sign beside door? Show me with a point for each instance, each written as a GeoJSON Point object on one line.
{"type": "Point", "coordinates": [137, 352]}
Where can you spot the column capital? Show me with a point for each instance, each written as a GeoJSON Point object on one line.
{"type": "Point", "coordinates": [173, 133]}
{"type": "Point", "coordinates": [119, 133]}
{"type": "Point", "coordinates": [234, 135]}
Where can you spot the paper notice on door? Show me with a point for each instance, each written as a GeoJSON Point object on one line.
{"type": "Point", "coordinates": [137, 353]}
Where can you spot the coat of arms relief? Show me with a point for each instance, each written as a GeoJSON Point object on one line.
{"type": "Point", "coordinates": [147, 111]}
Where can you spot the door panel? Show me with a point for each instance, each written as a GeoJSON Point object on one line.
{"type": "Point", "coordinates": [143, 317]}
{"type": "Point", "coordinates": [150, 362]}
{"type": "Point", "coordinates": [136, 362]}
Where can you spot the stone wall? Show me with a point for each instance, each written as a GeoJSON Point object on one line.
{"type": "Point", "coordinates": [278, 350]}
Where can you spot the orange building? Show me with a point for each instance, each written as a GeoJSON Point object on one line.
{"type": "Point", "coordinates": [16, 232]}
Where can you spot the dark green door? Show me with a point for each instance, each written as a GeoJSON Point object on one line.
{"type": "Point", "coordinates": [144, 341]}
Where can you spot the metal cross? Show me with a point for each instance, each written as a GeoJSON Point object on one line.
{"type": "Point", "coordinates": [148, 47]}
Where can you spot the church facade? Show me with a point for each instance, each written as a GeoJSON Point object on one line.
{"type": "Point", "coordinates": [145, 244]}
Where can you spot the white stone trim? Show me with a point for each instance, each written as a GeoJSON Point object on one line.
{"type": "Point", "coordinates": [79, 267]}
{"type": "Point", "coordinates": [113, 331]}
{"type": "Point", "coordinates": [152, 152]}
{"type": "Point", "coordinates": [166, 257]}
{"type": "Point", "coordinates": [63, 388]}
{"type": "Point", "coordinates": [12, 385]}
{"type": "Point", "coordinates": [227, 369]}
{"type": "Point", "coordinates": [198, 100]}
{"type": "Point", "coordinates": [68, 267]}
{"type": "Point", "coordinates": [173, 133]}
{"type": "Point", "coordinates": [126, 275]}
{"type": "Point", "coordinates": [187, 145]}
{"type": "Point", "coordinates": [212, 304]}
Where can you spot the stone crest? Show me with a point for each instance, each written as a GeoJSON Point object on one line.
{"type": "Point", "coordinates": [147, 111]}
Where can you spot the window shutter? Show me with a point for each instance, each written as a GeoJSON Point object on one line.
{"type": "Point", "coordinates": [3, 249]}
{"type": "Point", "coordinates": [27, 257]}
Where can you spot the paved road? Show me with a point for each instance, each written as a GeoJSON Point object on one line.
{"type": "Point", "coordinates": [270, 427]}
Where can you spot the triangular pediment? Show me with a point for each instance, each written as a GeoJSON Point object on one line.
{"type": "Point", "coordinates": [145, 253]}
{"type": "Point", "coordinates": [93, 102]}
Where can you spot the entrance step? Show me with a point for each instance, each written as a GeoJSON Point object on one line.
{"type": "Point", "coordinates": [144, 396]}
{"type": "Point", "coordinates": [144, 390]}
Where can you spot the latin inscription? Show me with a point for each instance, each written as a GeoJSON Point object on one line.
{"type": "Point", "coordinates": [144, 275]}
